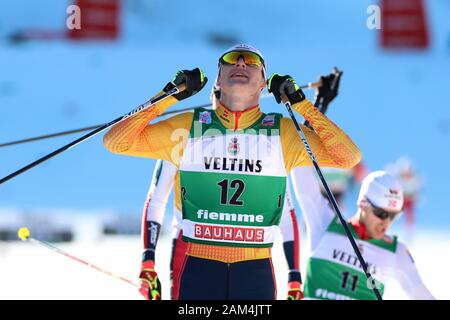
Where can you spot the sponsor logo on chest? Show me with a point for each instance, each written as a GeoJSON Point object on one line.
{"type": "Point", "coordinates": [205, 117]}
{"type": "Point", "coordinates": [233, 147]}
{"type": "Point", "coordinates": [268, 121]}
{"type": "Point", "coordinates": [344, 257]}
{"type": "Point", "coordinates": [228, 233]}
{"type": "Point", "coordinates": [232, 164]}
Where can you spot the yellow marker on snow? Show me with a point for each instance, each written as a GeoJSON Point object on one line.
{"type": "Point", "coordinates": [23, 233]}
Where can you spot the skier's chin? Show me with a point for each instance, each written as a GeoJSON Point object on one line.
{"type": "Point", "coordinates": [379, 233]}
{"type": "Point", "coordinates": [237, 82]}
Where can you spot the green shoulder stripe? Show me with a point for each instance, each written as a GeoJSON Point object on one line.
{"type": "Point", "coordinates": [206, 123]}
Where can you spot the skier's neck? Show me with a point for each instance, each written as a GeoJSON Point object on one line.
{"type": "Point", "coordinates": [359, 227]}
{"type": "Point", "coordinates": [237, 120]}
{"type": "Point", "coordinates": [236, 102]}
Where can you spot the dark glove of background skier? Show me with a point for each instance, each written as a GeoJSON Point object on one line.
{"type": "Point", "coordinates": [329, 88]}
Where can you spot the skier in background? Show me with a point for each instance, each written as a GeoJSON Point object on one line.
{"type": "Point", "coordinates": [333, 271]}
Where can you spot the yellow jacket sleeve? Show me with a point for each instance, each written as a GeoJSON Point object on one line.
{"type": "Point", "coordinates": [163, 140]}
{"type": "Point", "coordinates": [330, 145]}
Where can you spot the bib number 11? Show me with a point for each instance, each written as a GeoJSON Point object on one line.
{"type": "Point", "coordinates": [349, 281]}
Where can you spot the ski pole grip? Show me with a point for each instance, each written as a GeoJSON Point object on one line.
{"type": "Point", "coordinates": [284, 99]}
{"type": "Point", "coordinates": [316, 84]}
{"type": "Point", "coordinates": [181, 87]}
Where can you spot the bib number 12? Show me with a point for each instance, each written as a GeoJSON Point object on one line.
{"type": "Point", "coordinates": [237, 185]}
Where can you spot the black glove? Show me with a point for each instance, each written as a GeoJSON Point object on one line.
{"type": "Point", "coordinates": [278, 85]}
{"type": "Point", "coordinates": [194, 79]}
{"type": "Point", "coordinates": [329, 88]}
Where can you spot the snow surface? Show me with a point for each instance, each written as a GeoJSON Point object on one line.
{"type": "Point", "coordinates": [29, 271]}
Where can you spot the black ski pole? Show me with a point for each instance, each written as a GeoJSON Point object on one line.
{"type": "Point", "coordinates": [333, 201]}
{"type": "Point", "coordinates": [47, 136]}
{"type": "Point", "coordinates": [142, 107]}
{"type": "Point", "coordinates": [63, 133]}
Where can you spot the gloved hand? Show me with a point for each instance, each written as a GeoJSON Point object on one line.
{"type": "Point", "coordinates": [280, 85]}
{"type": "Point", "coordinates": [329, 88]}
{"type": "Point", "coordinates": [194, 79]}
{"type": "Point", "coordinates": [294, 291]}
{"type": "Point", "coordinates": [149, 281]}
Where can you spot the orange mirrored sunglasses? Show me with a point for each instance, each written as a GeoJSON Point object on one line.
{"type": "Point", "coordinates": [250, 58]}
